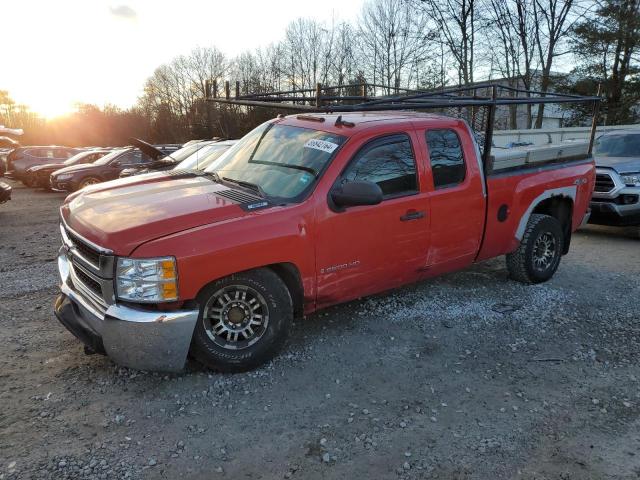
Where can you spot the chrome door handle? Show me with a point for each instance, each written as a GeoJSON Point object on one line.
{"type": "Point", "coordinates": [412, 215]}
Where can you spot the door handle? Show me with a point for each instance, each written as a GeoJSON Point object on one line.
{"type": "Point", "coordinates": [412, 215]}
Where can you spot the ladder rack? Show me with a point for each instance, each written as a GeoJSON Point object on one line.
{"type": "Point", "coordinates": [476, 104]}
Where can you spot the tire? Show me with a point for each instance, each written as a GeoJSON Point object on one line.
{"type": "Point", "coordinates": [538, 255]}
{"type": "Point", "coordinates": [218, 341]}
{"type": "Point", "coordinates": [85, 182]}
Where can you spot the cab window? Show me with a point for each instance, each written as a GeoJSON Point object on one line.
{"type": "Point", "coordinates": [388, 162]}
{"type": "Point", "coordinates": [445, 157]}
{"type": "Point", "coordinates": [133, 157]}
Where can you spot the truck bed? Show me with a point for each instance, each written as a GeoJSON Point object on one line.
{"type": "Point", "coordinates": [531, 155]}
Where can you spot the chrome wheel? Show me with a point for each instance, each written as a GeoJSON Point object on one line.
{"type": "Point", "coordinates": [89, 181]}
{"type": "Point", "coordinates": [236, 317]}
{"type": "Point", "coordinates": [544, 251]}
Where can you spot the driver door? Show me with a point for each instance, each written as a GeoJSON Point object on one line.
{"type": "Point", "coordinates": [129, 159]}
{"type": "Point", "coordinates": [368, 249]}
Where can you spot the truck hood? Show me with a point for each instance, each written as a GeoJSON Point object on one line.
{"type": "Point", "coordinates": [128, 214]}
{"type": "Point", "coordinates": [620, 164]}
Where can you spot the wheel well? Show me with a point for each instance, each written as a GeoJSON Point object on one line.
{"type": "Point", "coordinates": [290, 275]}
{"type": "Point", "coordinates": [561, 208]}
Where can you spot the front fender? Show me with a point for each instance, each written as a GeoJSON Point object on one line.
{"type": "Point", "coordinates": [271, 236]}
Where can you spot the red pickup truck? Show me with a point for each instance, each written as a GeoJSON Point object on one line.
{"type": "Point", "coordinates": [304, 212]}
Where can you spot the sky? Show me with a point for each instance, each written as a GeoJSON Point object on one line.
{"type": "Point", "coordinates": [57, 53]}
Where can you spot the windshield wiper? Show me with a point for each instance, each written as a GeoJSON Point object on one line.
{"type": "Point", "coordinates": [255, 187]}
{"type": "Point", "coordinates": [286, 165]}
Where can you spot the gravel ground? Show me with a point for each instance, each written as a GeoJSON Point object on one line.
{"type": "Point", "coordinates": [470, 376]}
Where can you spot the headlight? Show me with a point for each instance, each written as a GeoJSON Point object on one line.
{"type": "Point", "coordinates": [631, 179]}
{"type": "Point", "coordinates": [64, 176]}
{"type": "Point", "coordinates": [148, 280]}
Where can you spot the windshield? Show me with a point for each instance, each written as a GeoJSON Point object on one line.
{"type": "Point", "coordinates": [194, 162]}
{"type": "Point", "coordinates": [79, 158]}
{"type": "Point", "coordinates": [624, 145]}
{"type": "Point", "coordinates": [184, 152]}
{"type": "Point", "coordinates": [76, 158]}
{"type": "Point", "coordinates": [283, 161]}
{"type": "Point", "coordinates": [110, 156]}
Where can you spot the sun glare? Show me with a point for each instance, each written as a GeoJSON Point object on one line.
{"type": "Point", "coordinates": [53, 109]}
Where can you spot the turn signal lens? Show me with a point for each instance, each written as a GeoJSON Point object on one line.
{"type": "Point", "coordinates": [169, 290]}
{"type": "Point", "coordinates": [168, 269]}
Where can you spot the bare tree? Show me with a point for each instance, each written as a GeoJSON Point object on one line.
{"type": "Point", "coordinates": [309, 48]}
{"type": "Point", "coordinates": [457, 23]}
{"type": "Point", "coordinates": [393, 41]}
{"type": "Point", "coordinates": [510, 33]}
{"type": "Point", "coordinates": [175, 92]}
{"type": "Point", "coordinates": [554, 21]}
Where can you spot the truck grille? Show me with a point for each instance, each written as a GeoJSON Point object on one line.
{"type": "Point", "coordinates": [91, 271]}
{"type": "Point", "coordinates": [604, 183]}
{"type": "Point", "coordinates": [88, 288]}
{"type": "Point", "coordinates": [89, 282]}
{"type": "Point", "coordinates": [85, 250]}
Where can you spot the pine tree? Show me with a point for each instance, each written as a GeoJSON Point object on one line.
{"type": "Point", "coordinates": [607, 48]}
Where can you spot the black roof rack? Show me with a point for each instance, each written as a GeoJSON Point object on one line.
{"type": "Point", "coordinates": [476, 103]}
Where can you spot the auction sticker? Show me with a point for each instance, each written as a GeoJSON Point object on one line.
{"type": "Point", "coordinates": [322, 145]}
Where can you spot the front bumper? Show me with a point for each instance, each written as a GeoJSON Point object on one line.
{"type": "Point", "coordinates": [63, 185]}
{"type": "Point", "coordinates": [5, 192]}
{"type": "Point", "coordinates": [132, 337]}
{"type": "Point", "coordinates": [615, 210]}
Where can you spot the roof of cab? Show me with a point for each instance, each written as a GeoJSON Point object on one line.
{"type": "Point", "coordinates": [359, 120]}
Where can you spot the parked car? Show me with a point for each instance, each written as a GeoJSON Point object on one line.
{"type": "Point", "coordinates": [20, 159]}
{"type": "Point", "coordinates": [38, 176]}
{"type": "Point", "coordinates": [5, 192]}
{"type": "Point", "coordinates": [302, 213]}
{"type": "Point", "coordinates": [3, 159]}
{"type": "Point", "coordinates": [170, 161]}
{"type": "Point", "coordinates": [616, 197]}
{"type": "Point", "coordinates": [106, 168]}
{"type": "Point", "coordinates": [8, 143]}
{"type": "Point", "coordinates": [206, 156]}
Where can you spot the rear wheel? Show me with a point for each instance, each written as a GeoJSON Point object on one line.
{"type": "Point", "coordinates": [538, 256]}
{"type": "Point", "coordinates": [85, 182]}
{"type": "Point", "coordinates": [244, 321]}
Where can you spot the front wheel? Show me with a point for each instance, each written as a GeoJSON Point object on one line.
{"type": "Point", "coordinates": [538, 255]}
{"type": "Point", "coordinates": [85, 182]}
{"type": "Point", "coordinates": [244, 321]}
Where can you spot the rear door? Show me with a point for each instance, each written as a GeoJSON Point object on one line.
{"type": "Point", "coordinates": [367, 249]}
{"type": "Point", "coordinates": [457, 196]}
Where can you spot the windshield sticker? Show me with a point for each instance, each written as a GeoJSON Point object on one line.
{"type": "Point", "coordinates": [322, 145]}
{"type": "Point", "coordinates": [306, 178]}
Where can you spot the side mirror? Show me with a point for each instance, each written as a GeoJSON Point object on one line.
{"type": "Point", "coordinates": [352, 194]}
